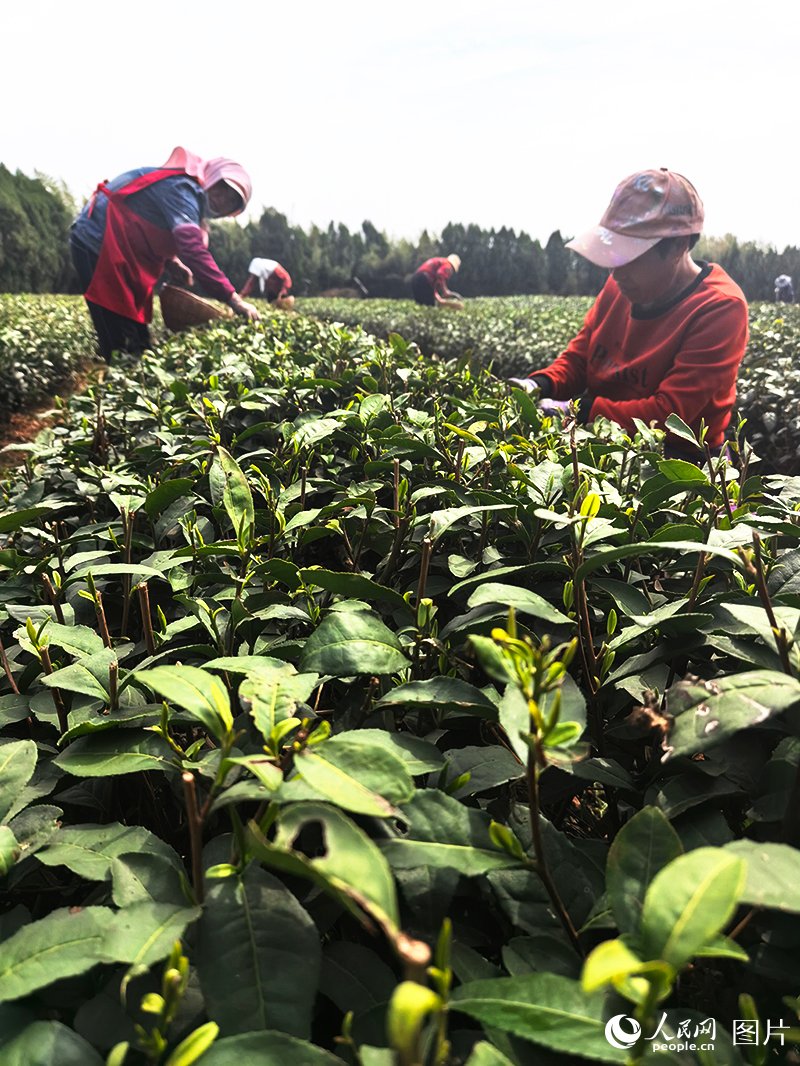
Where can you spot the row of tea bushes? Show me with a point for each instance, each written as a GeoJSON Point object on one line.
{"type": "Point", "coordinates": [351, 712]}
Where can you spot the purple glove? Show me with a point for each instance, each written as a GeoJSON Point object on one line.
{"type": "Point", "coordinates": [523, 383]}
{"type": "Point", "coordinates": [552, 407]}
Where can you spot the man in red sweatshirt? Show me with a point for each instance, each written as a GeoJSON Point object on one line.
{"type": "Point", "coordinates": [666, 334]}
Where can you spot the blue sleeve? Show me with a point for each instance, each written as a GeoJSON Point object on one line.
{"type": "Point", "coordinates": [176, 201]}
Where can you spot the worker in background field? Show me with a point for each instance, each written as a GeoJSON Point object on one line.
{"type": "Point", "coordinates": [784, 290]}
{"type": "Point", "coordinates": [274, 282]}
{"type": "Point", "coordinates": [144, 220]}
{"type": "Point", "coordinates": [429, 283]}
{"type": "Point", "coordinates": [666, 334]}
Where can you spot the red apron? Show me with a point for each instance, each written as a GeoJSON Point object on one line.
{"type": "Point", "coordinates": [132, 255]}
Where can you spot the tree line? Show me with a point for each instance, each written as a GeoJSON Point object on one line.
{"type": "Point", "coordinates": [35, 214]}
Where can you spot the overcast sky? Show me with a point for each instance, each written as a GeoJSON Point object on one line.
{"type": "Point", "coordinates": [414, 114]}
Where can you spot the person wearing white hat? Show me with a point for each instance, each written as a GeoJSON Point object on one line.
{"type": "Point", "coordinates": [429, 283]}
{"type": "Point", "coordinates": [666, 334]}
{"type": "Point", "coordinates": [274, 282]}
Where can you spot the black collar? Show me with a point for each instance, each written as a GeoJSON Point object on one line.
{"type": "Point", "coordinates": [638, 311]}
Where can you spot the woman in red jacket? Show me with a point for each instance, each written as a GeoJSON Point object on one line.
{"type": "Point", "coordinates": [666, 334]}
{"type": "Point", "coordinates": [144, 220]}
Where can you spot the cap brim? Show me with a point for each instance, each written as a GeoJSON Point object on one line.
{"type": "Point", "coordinates": [605, 248]}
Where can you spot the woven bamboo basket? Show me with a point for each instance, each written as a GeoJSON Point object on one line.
{"type": "Point", "coordinates": [182, 310]}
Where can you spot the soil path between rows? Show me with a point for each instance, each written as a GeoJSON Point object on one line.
{"type": "Point", "coordinates": [22, 427]}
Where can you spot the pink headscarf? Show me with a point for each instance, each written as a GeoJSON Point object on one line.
{"type": "Point", "coordinates": [209, 171]}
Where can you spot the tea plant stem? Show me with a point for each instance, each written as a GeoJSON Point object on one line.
{"type": "Point", "coordinates": [147, 625]}
{"type": "Point", "coordinates": [415, 956]}
{"type": "Point", "coordinates": [195, 825]}
{"type": "Point", "coordinates": [127, 525]}
{"type": "Point", "coordinates": [585, 639]}
{"type": "Point", "coordinates": [631, 535]}
{"type": "Point", "coordinates": [576, 474]}
{"type": "Point", "coordinates": [542, 869]}
{"type": "Point", "coordinates": [722, 484]}
{"type": "Point", "coordinates": [459, 460]}
{"type": "Point", "coordinates": [113, 674]}
{"type": "Point", "coordinates": [366, 706]}
{"type": "Point", "coordinates": [427, 546]}
{"type": "Point", "coordinates": [396, 492]}
{"type": "Point", "coordinates": [59, 552]}
{"type": "Point", "coordinates": [536, 538]}
{"type": "Point", "coordinates": [51, 595]}
{"type": "Point", "coordinates": [101, 614]}
{"type": "Point", "coordinates": [761, 584]}
{"type": "Point", "coordinates": [744, 922]}
{"type": "Point", "coordinates": [58, 702]}
{"type": "Point", "coordinates": [7, 669]}
{"type": "Point", "coordinates": [360, 546]}
{"type": "Point", "coordinates": [396, 552]}
{"type": "Point", "coordinates": [698, 577]}
{"type": "Point", "coordinates": [644, 1013]}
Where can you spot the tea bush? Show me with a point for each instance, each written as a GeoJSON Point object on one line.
{"type": "Point", "coordinates": [514, 336]}
{"type": "Point", "coordinates": [352, 712]}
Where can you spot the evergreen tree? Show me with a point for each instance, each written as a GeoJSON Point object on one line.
{"type": "Point", "coordinates": [557, 264]}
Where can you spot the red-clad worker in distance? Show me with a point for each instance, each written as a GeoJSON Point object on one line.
{"type": "Point", "coordinates": [144, 220]}
{"type": "Point", "coordinates": [429, 283]}
{"type": "Point", "coordinates": [666, 334]}
{"type": "Point", "coordinates": [273, 280]}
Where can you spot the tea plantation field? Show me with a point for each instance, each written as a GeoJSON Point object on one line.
{"type": "Point", "coordinates": [353, 713]}
{"type": "Point", "coordinates": [515, 335]}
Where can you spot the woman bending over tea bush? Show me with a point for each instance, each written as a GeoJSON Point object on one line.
{"type": "Point", "coordinates": [144, 220]}
{"type": "Point", "coordinates": [429, 283]}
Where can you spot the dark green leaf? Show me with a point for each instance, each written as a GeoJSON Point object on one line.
{"type": "Point", "coordinates": [352, 586]}
{"type": "Point", "coordinates": [520, 599]}
{"type": "Point", "coordinates": [773, 874]}
{"type": "Point", "coordinates": [61, 945]}
{"type": "Point", "coordinates": [444, 693]}
{"type": "Point", "coordinates": [350, 643]}
{"type": "Point", "coordinates": [88, 850]}
{"type": "Point", "coordinates": [352, 868]}
{"type": "Point", "coordinates": [688, 903]}
{"type": "Point", "coordinates": [272, 695]}
{"type": "Point", "coordinates": [708, 712]}
{"type": "Point", "coordinates": [49, 1044]}
{"type": "Point", "coordinates": [17, 763]}
{"type": "Point", "coordinates": [443, 832]}
{"type": "Point", "coordinates": [254, 927]}
{"type": "Point", "coordinates": [354, 977]}
{"type": "Point", "coordinates": [643, 846]}
{"type": "Point", "coordinates": [266, 1049]}
{"type": "Point", "coordinates": [237, 498]}
{"type": "Point", "coordinates": [544, 1008]}
{"type": "Point", "coordinates": [195, 691]}
{"type": "Point", "coordinates": [110, 752]}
